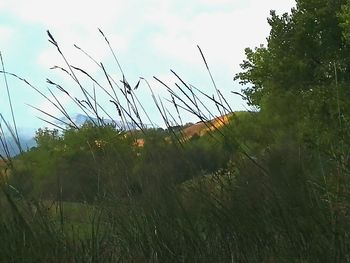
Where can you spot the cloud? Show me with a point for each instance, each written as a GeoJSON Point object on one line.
{"type": "Point", "coordinates": [7, 35]}
{"type": "Point", "coordinates": [73, 22]}
{"type": "Point", "coordinates": [91, 42]}
{"type": "Point", "coordinates": [147, 35]}
{"type": "Point", "coordinates": [211, 2]}
{"type": "Point", "coordinates": [223, 33]}
{"type": "Point", "coordinates": [66, 13]}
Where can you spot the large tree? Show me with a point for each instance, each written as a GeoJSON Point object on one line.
{"type": "Point", "coordinates": [303, 74]}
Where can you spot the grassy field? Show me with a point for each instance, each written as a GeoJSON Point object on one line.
{"type": "Point", "coordinates": [266, 185]}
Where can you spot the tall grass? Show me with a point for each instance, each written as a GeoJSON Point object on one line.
{"type": "Point", "coordinates": [267, 206]}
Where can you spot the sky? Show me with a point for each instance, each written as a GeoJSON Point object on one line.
{"type": "Point", "coordinates": [149, 38]}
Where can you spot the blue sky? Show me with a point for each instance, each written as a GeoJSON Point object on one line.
{"type": "Point", "coordinates": [149, 37]}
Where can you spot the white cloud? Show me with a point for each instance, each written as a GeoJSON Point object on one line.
{"type": "Point", "coordinates": [168, 29]}
{"type": "Point", "coordinates": [223, 35]}
{"type": "Point", "coordinates": [91, 42]}
{"type": "Point", "coordinates": [74, 22]}
{"type": "Point", "coordinates": [7, 34]}
{"type": "Point", "coordinates": [216, 2]}
{"type": "Point", "coordinates": [66, 13]}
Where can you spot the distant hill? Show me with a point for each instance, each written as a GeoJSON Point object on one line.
{"type": "Point", "coordinates": [26, 135]}
{"type": "Point", "coordinates": [199, 128]}
{"type": "Point", "coordinates": [80, 119]}
{"type": "Point", "coordinates": [202, 128]}
{"type": "Point", "coordinates": [26, 138]}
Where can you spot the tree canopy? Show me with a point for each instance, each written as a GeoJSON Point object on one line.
{"type": "Point", "coordinates": [302, 75]}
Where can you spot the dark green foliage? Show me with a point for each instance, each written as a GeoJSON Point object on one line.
{"type": "Point", "coordinates": [95, 162]}
{"type": "Point", "coordinates": [85, 163]}
{"type": "Point", "coordinates": [302, 76]}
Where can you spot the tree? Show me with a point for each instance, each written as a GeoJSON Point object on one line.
{"type": "Point", "coordinates": [301, 78]}
{"type": "Point", "coordinates": [46, 138]}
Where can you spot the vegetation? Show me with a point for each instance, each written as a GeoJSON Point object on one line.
{"type": "Point", "coordinates": [271, 185]}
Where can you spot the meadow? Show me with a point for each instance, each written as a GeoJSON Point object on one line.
{"type": "Point", "coordinates": [270, 184]}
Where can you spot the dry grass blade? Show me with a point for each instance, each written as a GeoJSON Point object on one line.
{"type": "Point", "coordinates": [211, 76]}
{"type": "Point", "coordinates": [172, 93]}
{"type": "Point", "coordinates": [62, 69]}
{"type": "Point", "coordinates": [193, 102]}
{"type": "Point", "coordinates": [51, 116]}
{"type": "Point", "coordinates": [62, 109]}
{"type": "Point", "coordinates": [176, 108]}
{"type": "Point", "coordinates": [115, 100]}
{"type": "Point", "coordinates": [122, 110]}
{"type": "Point", "coordinates": [126, 92]}
{"type": "Point", "coordinates": [11, 106]}
{"type": "Point", "coordinates": [211, 98]}
{"type": "Point", "coordinates": [132, 107]}
{"type": "Point", "coordinates": [100, 65]}
{"type": "Point", "coordinates": [111, 49]}
{"type": "Point", "coordinates": [157, 103]}
{"type": "Point", "coordinates": [129, 112]}
{"type": "Point", "coordinates": [51, 123]}
{"type": "Point", "coordinates": [76, 101]}
{"type": "Point", "coordinates": [164, 113]}
{"type": "Point", "coordinates": [227, 104]}
{"type": "Point", "coordinates": [52, 40]}
{"type": "Point", "coordinates": [110, 83]}
{"type": "Point", "coordinates": [12, 132]}
{"type": "Point", "coordinates": [4, 144]}
{"type": "Point", "coordinates": [180, 139]}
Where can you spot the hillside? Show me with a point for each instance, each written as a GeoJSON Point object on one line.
{"type": "Point", "coordinates": [198, 129]}
{"type": "Point", "coordinates": [201, 128]}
